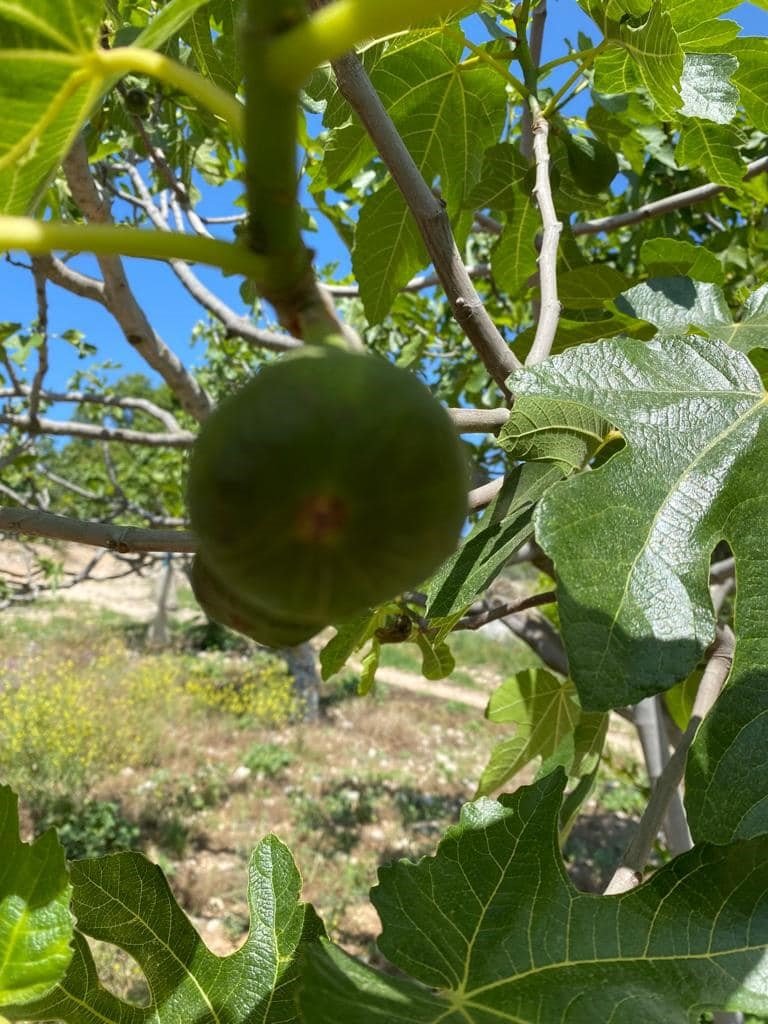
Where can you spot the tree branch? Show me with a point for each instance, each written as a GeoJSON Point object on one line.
{"type": "Point", "coordinates": [481, 496]}
{"type": "Point", "coordinates": [120, 299]}
{"type": "Point", "coordinates": [549, 307]}
{"type": "Point", "coordinates": [676, 201]}
{"type": "Point", "coordinates": [479, 421]}
{"type": "Point", "coordinates": [503, 610]}
{"type": "Point", "coordinates": [467, 421]}
{"type": "Point", "coordinates": [168, 420]}
{"type": "Point", "coordinates": [125, 539]}
{"type": "Point", "coordinates": [630, 873]}
{"type": "Point", "coordinates": [416, 284]}
{"type": "Point", "coordinates": [86, 287]}
{"type": "Point", "coordinates": [541, 636]}
{"type": "Point", "coordinates": [94, 432]}
{"type": "Point", "coordinates": [669, 204]}
{"type": "Point", "coordinates": [431, 219]}
{"type": "Point", "coordinates": [235, 325]}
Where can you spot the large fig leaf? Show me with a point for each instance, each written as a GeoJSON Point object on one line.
{"type": "Point", "coordinates": [36, 925]}
{"type": "Point", "coordinates": [675, 305]}
{"type": "Point", "coordinates": [45, 91]}
{"type": "Point", "coordinates": [125, 900]}
{"type": "Point", "coordinates": [493, 928]}
{"type": "Point", "coordinates": [632, 541]}
{"type": "Point", "coordinates": [49, 85]}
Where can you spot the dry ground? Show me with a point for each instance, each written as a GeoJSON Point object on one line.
{"type": "Point", "coordinates": [375, 779]}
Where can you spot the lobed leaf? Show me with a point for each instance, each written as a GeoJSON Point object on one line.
{"type": "Point", "coordinates": [36, 926]}
{"type": "Point", "coordinates": [125, 900]}
{"type": "Point", "coordinates": [46, 91]}
{"type": "Point", "coordinates": [632, 541]}
{"type": "Point", "coordinates": [490, 929]}
{"type": "Point", "coordinates": [544, 711]}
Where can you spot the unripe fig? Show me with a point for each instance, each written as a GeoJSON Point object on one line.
{"type": "Point", "coordinates": [235, 612]}
{"type": "Point", "coordinates": [592, 163]}
{"type": "Point", "coordinates": [136, 102]}
{"type": "Point", "coordinates": [328, 484]}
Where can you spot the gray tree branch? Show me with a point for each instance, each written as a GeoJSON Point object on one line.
{"type": "Point", "coordinates": [124, 539]}
{"type": "Point", "coordinates": [431, 219]}
{"type": "Point", "coordinates": [549, 306]}
{"type": "Point", "coordinates": [630, 872]}
{"type": "Point", "coordinates": [120, 299]}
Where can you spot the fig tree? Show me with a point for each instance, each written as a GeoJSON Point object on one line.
{"type": "Point", "coordinates": [235, 612]}
{"type": "Point", "coordinates": [329, 483]}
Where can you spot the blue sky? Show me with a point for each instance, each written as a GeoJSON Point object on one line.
{"type": "Point", "coordinates": [172, 312]}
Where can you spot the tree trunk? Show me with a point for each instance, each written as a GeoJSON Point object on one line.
{"type": "Point", "coordinates": [302, 665]}
{"type": "Point", "coordinates": [158, 634]}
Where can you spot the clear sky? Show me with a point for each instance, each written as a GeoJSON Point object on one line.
{"type": "Point", "coordinates": [172, 312]}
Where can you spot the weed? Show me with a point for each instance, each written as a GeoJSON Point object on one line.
{"type": "Point", "coordinates": [91, 829]}
{"type": "Point", "coordinates": [268, 759]}
{"type": "Point", "coordinates": [68, 722]}
{"type": "Point", "coordinates": [257, 690]}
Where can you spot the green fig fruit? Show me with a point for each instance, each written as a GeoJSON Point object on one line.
{"type": "Point", "coordinates": [233, 611]}
{"type": "Point", "coordinates": [329, 483]}
{"type": "Point", "coordinates": [592, 163]}
{"type": "Point", "coordinates": [136, 102]}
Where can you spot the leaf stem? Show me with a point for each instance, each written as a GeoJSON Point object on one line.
{"type": "Point", "coordinates": [41, 237]}
{"type": "Point", "coordinates": [576, 55]}
{"type": "Point", "coordinates": [485, 58]}
{"type": "Point", "coordinates": [338, 27]}
{"type": "Point", "coordinates": [572, 79]}
{"type": "Point", "coordinates": [126, 59]}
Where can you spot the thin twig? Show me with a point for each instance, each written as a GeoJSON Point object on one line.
{"type": "Point", "coordinates": [549, 308]}
{"type": "Point", "coordinates": [538, 24]}
{"type": "Point", "coordinates": [18, 449]}
{"type": "Point", "coordinates": [168, 420]}
{"type": "Point", "coordinates": [41, 295]}
{"type": "Point", "coordinates": [503, 610]}
{"type": "Point", "coordinates": [235, 325]}
{"type": "Point", "coordinates": [630, 873]}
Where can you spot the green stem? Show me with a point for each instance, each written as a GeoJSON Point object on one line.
{"type": "Point", "coordinates": [41, 237]}
{"type": "Point", "coordinates": [334, 29]}
{"type": "Point", "coordinates": [271, 129]}
{"type": "Point", "coordinates": [564, 102]}
{"type": "Point", "coordinates": [127, 59]}
{"type": "Point", "coordinates": [586, 63]}
{"type": "Point", "coordinates": [578, 56]}
{"type": "Point", "coordinates": [484, 57]}
{"type": "Point", "coordinates": [523, 50]}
